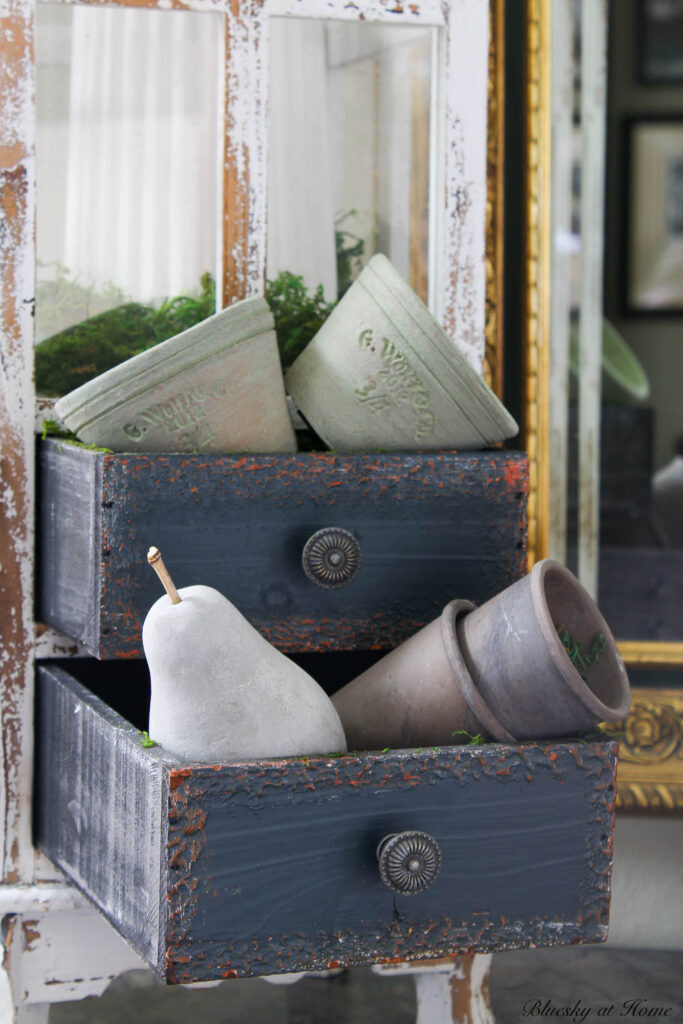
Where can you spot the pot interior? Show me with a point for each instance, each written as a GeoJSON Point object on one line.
{"type": "Point", "coordinates": [586, 638]}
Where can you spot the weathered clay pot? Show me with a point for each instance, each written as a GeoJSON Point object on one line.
{"type": "Point", "coordinates": [382, 373]}
{"type": "Point", "coordinates": [500, 671]}
{"type": "Point", "coordinates": [217, 387]}
{"type": "Point", "coordinates": [519, 666]}
{"type": "Point", "coordinates": [411, 697]}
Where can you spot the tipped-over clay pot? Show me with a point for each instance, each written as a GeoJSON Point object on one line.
{"type": "Point", "coordinates": [221, 692]}
{"type": "Point", "coordinates": [382, 373]}
{"type": "Point", "coordinates": [501, 671]}
{"type": "Point", "coordinates": [217, 387]}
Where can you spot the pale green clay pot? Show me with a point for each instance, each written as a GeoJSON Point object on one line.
{"type": "Point", "coordinates": [381, 373]}
{"type": "Point", "coordinates": [215, 388]}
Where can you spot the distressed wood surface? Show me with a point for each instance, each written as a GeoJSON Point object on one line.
{"type": "Point", "coordinates": [286, 871]}
{"type": "Point", "coordinates": [58, 956]}
{"type": "Point", "coordinates": [495, 194]}
{"type": "Point", "coordinates": [562, 70]}
{"type": "Point", "coordinates": [70, 535]}
{"type": "Point", "coordinates": [99, 808]}
{"type": "Point", "coordinates": [450, 991]}
{"type": "Point", "coordinates": [593, 139]}
{"type": "Point", "coordinates": [462, 259]}
{"type": "Point", "coordinates": [17, 206]}
{"type": "Point", "coordinates": [430, 527]}
{"type": "Point", "coordinates": [270, 866]}
{"type": "Point", "coordinates": [537, 260]}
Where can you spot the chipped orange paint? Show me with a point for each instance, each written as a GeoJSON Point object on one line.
{"type": "Point", "coordinates": [177, 776]}
{"type": "Point", "coordinates": [31, 933]}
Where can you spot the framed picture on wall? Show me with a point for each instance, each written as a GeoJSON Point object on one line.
{"type": "Point", "coordinates": [660, 42]}
{"type": "Point", "coordinates": [653, 275]}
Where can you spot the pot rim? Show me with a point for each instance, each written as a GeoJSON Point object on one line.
{"type": "Point", "coordinates": [476, 703]}
{"type": "Point", "coordinates": [604, 712]}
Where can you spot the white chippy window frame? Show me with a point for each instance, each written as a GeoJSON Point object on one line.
{"type": "Point", "coordinates": [458, 277]}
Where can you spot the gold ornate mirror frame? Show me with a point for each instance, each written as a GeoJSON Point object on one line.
{"type": "Point", "coordinates": [651, 758]}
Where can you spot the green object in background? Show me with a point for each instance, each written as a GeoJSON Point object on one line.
{"type": "Point", "coordinates": [350, 250]}
{"type": "Point", "coordinates": [619, 363]}
{"type": "Point", "coordinates": [298, 315]}
{"type": "Point", "coordinates": [77, 354]}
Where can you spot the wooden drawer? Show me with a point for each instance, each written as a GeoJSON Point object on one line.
{"type": "Point", "coordinates": [431, 527]}
{"type": "Point", "coordinates": [254, 868]}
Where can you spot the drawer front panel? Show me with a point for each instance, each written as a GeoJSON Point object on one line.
{"type": "Point", "coordinates": [284, 865]}
{"type": "Point", "coordinates": [430, 528]}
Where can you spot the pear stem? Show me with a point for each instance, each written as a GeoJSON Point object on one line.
{"type": "Point", "coordinates": [156, 561]}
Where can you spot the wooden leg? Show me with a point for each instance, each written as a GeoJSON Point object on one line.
{"type": "Point", "coordinates": [35, 1013]}
{"type": "Point", "coordinates": [55, 956]}
{"type": "Point", "coordinates": [10, 1012]}
{"type": "Point", "coordinates": [449, 991]}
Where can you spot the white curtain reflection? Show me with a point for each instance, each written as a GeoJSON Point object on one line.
{"type": "Point", "coordinates": [128, 167]}
{"type": "Point", "coordinates": [301, 203]}
{"type": "Point", "coordinates": [350, 147]}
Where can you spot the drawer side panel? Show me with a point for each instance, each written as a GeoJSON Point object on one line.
{"type": "Point", "coordinates": [69, 541]}
{"type": "Point", "coordinates": [98, 803]}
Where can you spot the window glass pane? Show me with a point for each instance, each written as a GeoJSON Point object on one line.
{"type": "Point", "coordinates": [641, 510]}
{"type": "Point", "coordinates": [351, 157]}
{"type": "Point", "coordinates": [127, 172]}
{"type": "Point", "coordinates": [640, 561]}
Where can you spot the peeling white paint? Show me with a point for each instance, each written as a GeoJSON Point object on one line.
{"type": "Point", "coordinates": [464, 252]}
{"type": "Point", "coordinates": [423, 12]}
{"type": "Point", "coordinates": [17, 266]}
{"type": "Point", "coordinates": [51, 644]}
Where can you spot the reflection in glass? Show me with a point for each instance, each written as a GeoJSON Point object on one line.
{"type": "Point", "coordinates": [655, 211]}
{"type": "Point", "coordinates": [640, 563]}
{"type": "Point", "coordinates": [350, 156]}
{"type": "Point", "coordinates": [127, 173]}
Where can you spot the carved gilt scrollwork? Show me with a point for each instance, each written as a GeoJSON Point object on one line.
{"type": "Point", "coordinates": [650, 776]}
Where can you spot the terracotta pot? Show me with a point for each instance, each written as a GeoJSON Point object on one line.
{"type": "Point", "coordinates": [382, 373]}
{"type": "Point", "coordinates": [500, 671]}
{"type": "Point", "coordinates": [520, 668]}
{"type": "Point", "coordinates": [217, 387]}
{"type": "Point", "coordinates": [410, 698]}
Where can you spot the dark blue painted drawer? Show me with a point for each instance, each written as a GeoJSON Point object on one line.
{"type": "Point", "coordinates": [265, 867]}
{"type": "Point", "coordinates": [430, 527]}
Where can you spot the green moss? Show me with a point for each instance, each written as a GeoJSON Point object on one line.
{"type": "Point", "coordinates": [581, 660]}
{"type": "Point", "coordinates": [298, 315]}
{"type": "Point", "coordinates": [472, 739]}
{"type": "Point", "coordinates": [146, 741]}
{"type": "Point", "coordinates": [53, 429]}
{"type": "Point", "coordinates": [77, 354]}
{"type": "Point", "coordinates": [350, 250]}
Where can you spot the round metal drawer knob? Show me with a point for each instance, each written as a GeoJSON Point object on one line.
{"type": "Point", "coordinates": [331, 557]}
{"type": "Point", "coordinates": [409, 862]}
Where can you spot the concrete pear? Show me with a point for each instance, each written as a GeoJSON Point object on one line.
{"type": "Point", "coordinates": [220, 691]}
